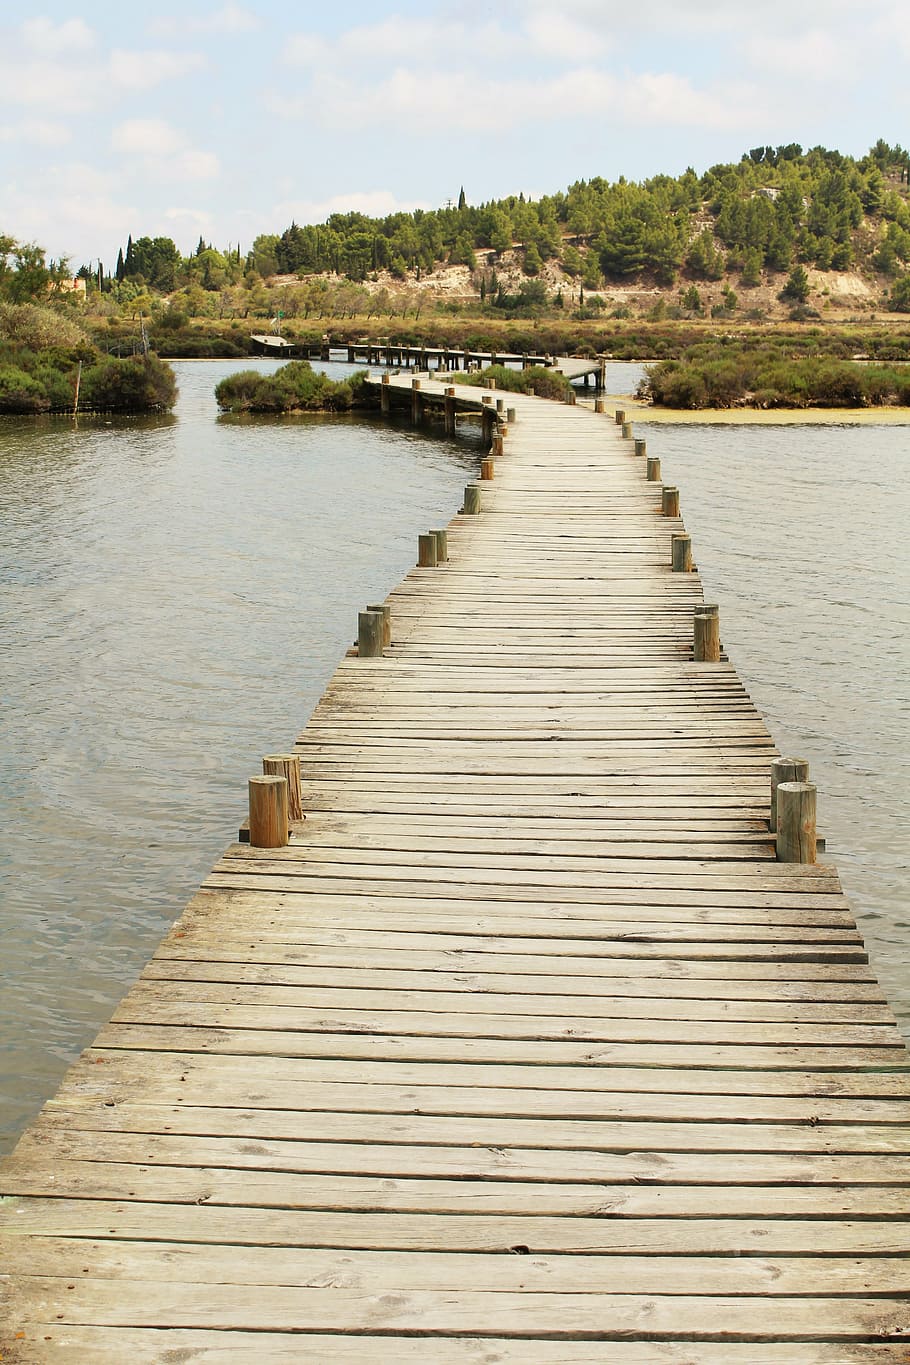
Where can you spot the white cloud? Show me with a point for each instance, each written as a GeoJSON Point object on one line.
{"type": "Point", "coordinates": [163, 151]}
{"type": "Point", "coordinates": [228, 19]}
{"type": "Point", "coordinates": [555, 35]}
{"type": "Point", "coordinates": [82, 206]}
{"type": "Point", "coordinates": [49, 39]}
{"type": "Point", "coordinates": [143, 70]}
{"type": "Point", "coordinates": [190, 220]}
{"type": "Point", "coordinates": [408, 40]}
{"type": "Point", "coordinates": [374, 203]}
{"type": "Point", "coordinates": [430, 100]}
{"type": "Point", "coordinates": [36, 133]}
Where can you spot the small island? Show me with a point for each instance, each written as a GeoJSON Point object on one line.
{"type": "Point", "coordinates": [296, 387]}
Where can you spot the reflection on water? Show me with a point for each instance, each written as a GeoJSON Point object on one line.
{"type": "Point", "coordinates": [173, 597]}
{"type": "Point", "coordinates": [175, 594]}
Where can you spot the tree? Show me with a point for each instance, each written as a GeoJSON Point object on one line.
{"type": "Point", "coordinates": [899, 298]}
{"type": "Point", "coordinates": [462, 202]}
{"type": "Point", "coordinates": [703, 259]}
{"type": "Point", "coordinates": [532, 261]}
{"type": "Point", "coordinates": [751, 272]}
{"type": "Point", "coordinates": [796, 290]}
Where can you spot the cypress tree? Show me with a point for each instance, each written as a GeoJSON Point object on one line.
{"type": "Point", "coordinates": [119, 272]}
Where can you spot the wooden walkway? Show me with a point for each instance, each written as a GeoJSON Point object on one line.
{"type": "Point", "coordinates": [526, 1049]}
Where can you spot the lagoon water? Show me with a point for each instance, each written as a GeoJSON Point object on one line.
{"type": "Point", "coordinates": [175, 593]}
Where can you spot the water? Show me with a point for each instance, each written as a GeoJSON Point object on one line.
{"type": "Point", "coordinates": [798, 533]}
{"type": "Point", "coordinates": [174, 594]}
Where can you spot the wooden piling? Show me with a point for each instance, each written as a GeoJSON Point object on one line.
{"type": "Point", "coordinates": [385, 395]}
{"type": "Point", "coordinates": [653, 469]}
{"type": "Point", "coordinates": [510, 415]}
{"type": "Point", "coordinates": [500, 404]}
{"type": "Point", "coordinates": [442, 546]}
{"type": "Point", "coordinates": [486, 468]}
{"type": "Point", "coordinates": [570, 398]}
{"type": "Point", "coordinates": [627, 431]}
{"type": "Point", "coordinates": [288, 767]}
{"type": "Point", "coordinates": [706, 637]}
{"type": "Point", "coordinates": [796, 835]}
{"type": "Point", "coordinates": [386, 610]}
{"type": "Point", "coordinates": [268, 812]}
{"type": "Point", "coordinates": [599, 405]}
{"type": "Point", "coordinates": [785, 770]}
{"type": "Point", "coordinates": [471, 500]}
{"type": "Point", "coordinates": [620, 416]}
{"type": "Point", "coordinates": [681, 553]}
{"type": "Point", "coordinates": [641, 447]}
{"type": "Point", "coordinates": [669, 500]}
{"type": "Point", "coordinates": [369, 634]}
{"type": "Point", "coordinates": [426, 551]}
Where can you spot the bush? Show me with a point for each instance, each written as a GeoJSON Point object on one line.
{"type": "Point", "coordinates": [763, 375]}
{"type": "Point", "coordinates": [139, 384]}
{"type": "Point", "coordinates": [296, 387]}
{"type": "Point", "coordinates": [545, 382]}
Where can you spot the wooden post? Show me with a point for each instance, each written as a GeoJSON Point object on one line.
{"type": "Point", "coordinates": [510, 415]}
{"type": "Point", "coordinates": [369, 634]}
{"type": "Point", "coordinates": [415, 401]}
{"type": "Point", "coordinates": [449, 405]}
{"type": "Point", "coordinates": [669, 500]}
{"type": "Point", "coordinates": [627, 431]}
{"type": "Point", "coordinates": [471, 499]}
{"type": "Point", "coordinates": [487, 419]}
{"type": "Point", "coordinates": [653, 468]}
{"type": "Point", "coordinates": [496, 445]}
{"type": "Point", "coordinates": [268, 812]}
{"type": "Point", "coordinates": [570, 398]}
{"type": "Point", "coordinates": [500, 404]}
{"type": "Point", "coordinates": [599, 405]}
{"type": "Point", "coordinates": [620, 416]}
{"type": "Point", "coordinates": [288, 767]}
{"type": "Point", "coordinates": [386, 620]}
{"type": "Point", "coordinates": [681, 553]}
{"type": "Point", "coordinates": [785, 770]}
{"type": "Point", "coordinates": [486, 468]}
{"type": "Point", "coordinates": [385, 395]}
{"type": "Point", "coordinates": [641, 447]}
{"type": "Point", "coordinates": [491, 384]}
{"type": "Point", "coordinates": [442, 546]}
{"type": "Point", "coordinates": [531, 391]}
{"type": "Point", "coordinates": [796, 836]}
{"type": "Point", "coordinates": [426, 551]}
{"type": "Point", "coordinates": [706, 637]}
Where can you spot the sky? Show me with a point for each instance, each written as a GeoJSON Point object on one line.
{"type": "Point", "coordinates": [226, 120]}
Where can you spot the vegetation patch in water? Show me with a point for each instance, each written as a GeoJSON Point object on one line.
{"type": "Point", "coordinates": [731, 376]}
{"type": "Point", "coordinates": [296, 387]}
{"type": "Point", "coordinates": [546, 383]}
{"type": "Point", "coordinates": [45, 357]}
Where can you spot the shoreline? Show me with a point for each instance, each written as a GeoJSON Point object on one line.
{"type": "Point", "coordinates": [766, 417]}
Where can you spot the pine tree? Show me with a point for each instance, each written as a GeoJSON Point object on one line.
{"type": "Point", "coordinates": [462, 202]}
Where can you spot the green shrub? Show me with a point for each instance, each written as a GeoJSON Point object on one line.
{"type": "Point", "coordinates": [545, 382]}
{"type": "Point", "coordinates": [138, 384]}
{"type": "Point", "coordinates": [296, 387]}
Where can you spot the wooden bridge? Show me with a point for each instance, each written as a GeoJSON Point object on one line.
{"type": "Point", "coordinates": [526, 1048]}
